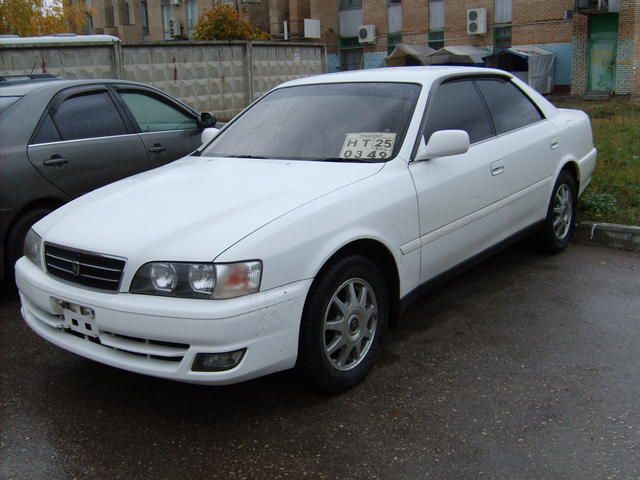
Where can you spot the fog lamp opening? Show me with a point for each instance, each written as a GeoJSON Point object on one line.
{"type": "Point", "coordinates": [217, 362]}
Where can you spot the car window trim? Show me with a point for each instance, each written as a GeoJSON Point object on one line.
{"type": "Point", "coordinates": [429, 105]}
{"type": "Point", "coordinates": [134, 134]}
{"type": "Point", "coordinates": [170, 131]}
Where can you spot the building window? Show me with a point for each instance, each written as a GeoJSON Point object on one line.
{"type": "Point", "coordinates": [192, 15]}
{"type": "Point", "coordinates": [394, 2]}
{"type": "Point", "coordinates": [503, 11]}
{"type": "Point", "coordinates": [351, 54]}
{"type": "Point", "coordinates": [501, 37]}
{"type": "Point", "coordinates": [394, 18]}
{"type": "Point", "coordinates": [393, 39]}
{"type": "Point", "coordinates": [436, 39]}
{"type": "Point", "coordinates": [89, 27]}
{"type": "Point", "coordinates": [436, 15]}
{"type": "Point", "coordinates": [124, 16]}
{"type": "Point", "coordinates": [144, 17]}
{"type": "Point", "coordinates": [108, 14]}
{"type": "Point", "coordinates": [350, 4]}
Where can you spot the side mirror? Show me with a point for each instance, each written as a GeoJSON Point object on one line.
{"type": "Point", "coordinates": [443, 143]}
{"type": "Point", "coordinates": [208, 134]}
{"type": "Point", "coordinates": [206, 120]}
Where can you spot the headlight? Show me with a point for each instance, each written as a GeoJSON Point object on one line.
{"type": "Point", "coordinates": [198, 280]}
{"type": "Point", "coordinates": [33, 247]}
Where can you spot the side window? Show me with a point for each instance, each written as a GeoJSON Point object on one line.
{"type": "Point", "coordinates": [88, 116]}
{"type": "Point", "coordinates": [510, 108]}
{"type": "Point", "coordinates": [47, 131]}
{"type": "Point", "coordinates": [154, 115]}
{"type": "Point", "coordinates": [457, 105]}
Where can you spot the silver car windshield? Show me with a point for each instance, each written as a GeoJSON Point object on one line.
{"type": "Point", "coordinates": [363, 122]}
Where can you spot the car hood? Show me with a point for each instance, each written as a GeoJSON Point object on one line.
{"type": "Point", "coordinates": [195, 208]}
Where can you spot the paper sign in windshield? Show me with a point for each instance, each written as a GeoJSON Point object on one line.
{"type": "Point", "coordinates": [368, 146]}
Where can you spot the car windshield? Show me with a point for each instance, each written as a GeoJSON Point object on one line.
{"type": "Point", "coordinates": [331, 122]}
{"type": "Point", "coordinates": [6, 102]}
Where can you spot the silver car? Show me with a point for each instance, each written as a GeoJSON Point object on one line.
{"type": "Point", "coordinates": [64, 138]}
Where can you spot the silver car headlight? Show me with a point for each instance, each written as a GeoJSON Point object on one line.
{"type": "Point", "coordinates": [198, 280]}
{"type": "Point", "coordinates": [33, 248]}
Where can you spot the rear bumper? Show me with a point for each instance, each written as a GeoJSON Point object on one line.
{"type": "Point", "coordinates": [161, 336]}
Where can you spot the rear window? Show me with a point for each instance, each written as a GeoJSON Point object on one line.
{"type": "Point", "coordinates": [88, 116]}
{"type": "Point", "coordinates": [6, 102]}
{"type": "Point", "coordinates": [510, 108]}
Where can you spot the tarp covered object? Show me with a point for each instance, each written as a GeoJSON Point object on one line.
{"type": "Point", "coordinates": [533, 65]}
{"type": "Point", "coordinates": [408, 55]}
{"type": "Point", "coordinates": [458, 55]}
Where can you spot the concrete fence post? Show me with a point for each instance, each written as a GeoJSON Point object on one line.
{"type": "Point", "coordinates": [118, 60]}
{"type": "Point", "coordinates": [248, 58]}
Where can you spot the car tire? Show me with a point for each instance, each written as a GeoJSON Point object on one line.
{"type": "Point", "coordinates": [15, 240]}
{"type": "Point", "coordinates": [343, 324]}
{"type": "Point", "coordinates": [561, 214]}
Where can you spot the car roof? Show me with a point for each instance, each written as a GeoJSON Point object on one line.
{"type": "Point", "coordinates": [20, 89]}
{"type": "Point", "coordinates": [422, 75]}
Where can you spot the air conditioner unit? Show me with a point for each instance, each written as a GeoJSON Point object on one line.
{"type": "Point", "coordinates": [367, 33]}
{"type": "Point", "coordinates": [174, 27]}
{"type": "Point", "coordinates": [477, 21]}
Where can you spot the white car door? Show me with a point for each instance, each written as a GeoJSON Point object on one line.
{"type": "Point", "coordinates": [457, 195]}
{"type": "Point", "coordinates": [529, 151]}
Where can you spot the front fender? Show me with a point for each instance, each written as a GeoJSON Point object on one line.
{"type": "Point", "coordinates": [297, 245]}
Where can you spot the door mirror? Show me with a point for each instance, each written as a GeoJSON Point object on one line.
{"type": "Point", "coordinates": [208, 134]}
{"type": "Point", "coordinates": [443, 144]}
{"type": "Point", "coordinates": [206, 120]}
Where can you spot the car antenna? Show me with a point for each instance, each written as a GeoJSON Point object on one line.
{"type": "Point", "coordinates": [34, 67]}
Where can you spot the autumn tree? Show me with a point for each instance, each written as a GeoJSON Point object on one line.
{"type": "Point", "coordinates": [223, 22]}
{"type": "Point", "coordinates": [36, 17]}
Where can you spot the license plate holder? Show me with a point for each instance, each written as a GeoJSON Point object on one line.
{"type": "Point", "coordinates": [79, 318]}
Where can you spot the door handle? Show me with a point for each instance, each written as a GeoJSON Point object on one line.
{"type": "Point", "coordinates": [497, 168]}
{"type": "Point", "coordinates": [555, 143]}
{"type": "Point", "coordinates": [157, 148]}
{"type": "Point", "coordinates": [55, 161]}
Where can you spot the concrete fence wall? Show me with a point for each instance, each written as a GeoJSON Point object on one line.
{"type": "Point", "coordinates": [219, 77]}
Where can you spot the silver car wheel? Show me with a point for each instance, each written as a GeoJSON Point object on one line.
{"type": "Point", "coordinates": [562, 211]}
{"type": "Point", "coordinates": [350, 323]}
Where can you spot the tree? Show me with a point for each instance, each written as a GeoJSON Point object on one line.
{"type": "Point", "coordinates": [223, 22]}
{"type": "Point", "coordinates": [39, 17]}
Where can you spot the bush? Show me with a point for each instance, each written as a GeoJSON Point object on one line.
{"type": "Point", "coordinates": [599, 204]}
{"type": "Point", "coordinates": [223, 22]}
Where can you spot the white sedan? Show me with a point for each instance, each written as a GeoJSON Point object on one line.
{"type": "Point", "coordinates": [299, 232]}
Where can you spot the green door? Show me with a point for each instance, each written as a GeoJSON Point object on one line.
{"type": "Point", "coordinates": [603, 38]}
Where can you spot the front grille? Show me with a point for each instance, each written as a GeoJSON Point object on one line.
{"type": "Point", "coordinates": [84, 268]}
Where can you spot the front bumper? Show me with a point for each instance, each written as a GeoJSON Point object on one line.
{"type": "Point", "coordinates": [161, 336]}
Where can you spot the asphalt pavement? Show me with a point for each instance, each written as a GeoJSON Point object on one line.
{"type": "Point", "coordinates": [526, 367]}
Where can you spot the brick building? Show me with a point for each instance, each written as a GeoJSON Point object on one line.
{"type": "Point", "coordinates": [596, 42]}
{"type": "Point", "coordinates": [173, 20]}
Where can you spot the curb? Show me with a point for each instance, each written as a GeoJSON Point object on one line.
{"type": "Point", "coordinates": [623, 237]}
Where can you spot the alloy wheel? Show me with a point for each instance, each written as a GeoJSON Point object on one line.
{"type": "Point", "coordinates": [350, 323]}
{"type": "Point", "coordinates": [562, 211]}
